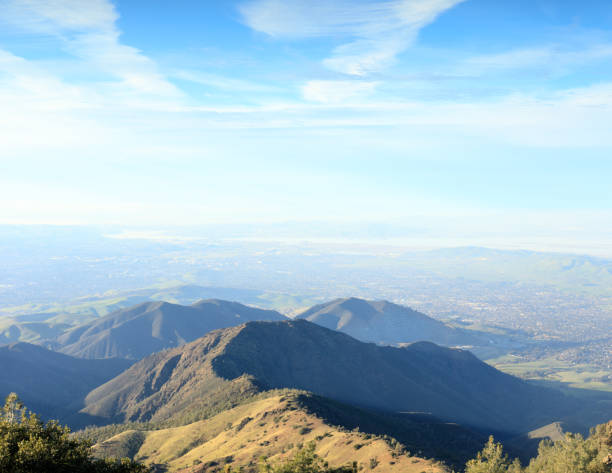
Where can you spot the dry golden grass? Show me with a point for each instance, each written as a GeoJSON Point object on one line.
{"type": "Point", "coordinates": [270, 427]}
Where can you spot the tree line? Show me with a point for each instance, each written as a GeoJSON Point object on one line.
{"type": "Point", "coordinates": [572, 454]}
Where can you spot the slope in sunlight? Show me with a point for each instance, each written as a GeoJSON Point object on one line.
{"type": "Point", "coordinates": [271, 425]}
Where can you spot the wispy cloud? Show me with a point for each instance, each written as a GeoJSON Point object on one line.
{"type": "Point", "coordinates": [55, 16]}
{"type": "Point", "coordinates": [597, 95]}
{"type": "Point", "coordinates": [554, 58]}
{"type": "Point", "coordinates": [88, 31]}
{"type": "Point", "coordinates": [41, 109]}
{"type": "Point", "coordinates": [574, 117]}
{"type": "Point", "coordinates": [88, 116]}
{"type": "Point", "coordinates": [375, 32]}
{"type": "Point", "coordinates": [220, 82]}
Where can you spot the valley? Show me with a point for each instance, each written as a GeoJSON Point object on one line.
{"type": "Point", "coordinates": [197, 377]}
{"type": "Point", "coordinates": [548, 306]}
{"type": "Point", "coordinates": [305, 236]}
{"type": "Point", "coordinates": [218, 383]}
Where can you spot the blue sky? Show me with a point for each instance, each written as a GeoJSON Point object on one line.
{"type": "Point", "coordinates": [184, 112]}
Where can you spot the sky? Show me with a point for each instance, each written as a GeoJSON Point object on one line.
{"type": "Point", "coordinates": [195, 112]}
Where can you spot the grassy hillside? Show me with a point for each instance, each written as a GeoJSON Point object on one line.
{"type": "Point", "coordinates": [573, 375]}
{"type": "Point", "coordinates": [274, 425]}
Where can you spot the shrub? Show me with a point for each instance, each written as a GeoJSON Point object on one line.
{"type": "Point", "coordinates": [27, 445]}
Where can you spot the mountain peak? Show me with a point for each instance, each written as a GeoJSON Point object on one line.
{"type": "Point", "coordinates": [384, 322]}
{"type": "Point", "coordinates": [215, 301]}
{"type": "Point", "coordinates": [23, 346]}
{"type": "Point", "coordinates": [138, 331]}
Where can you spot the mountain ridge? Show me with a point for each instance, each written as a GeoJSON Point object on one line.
{"type": "Point", "coordinates": [149, 327]}
{"type": "Point", "coordinates": [268, 426]}
{"type": "Point", "coordinates": [451, 384]}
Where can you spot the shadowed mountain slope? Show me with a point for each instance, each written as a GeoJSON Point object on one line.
{"type": "Point", "coordinates": [153, 326]}
{"type": "Point", "coordinates": [448, 383]}
{"type": "Point", "coordinates": [50, 383]}
{"type": "Point", "coordinates": [385, 322]}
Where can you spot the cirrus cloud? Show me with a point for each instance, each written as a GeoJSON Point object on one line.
{"type": "Point", "coordinates": [375, 33]}
{"type": "Point", "coordinates": [88, 31]}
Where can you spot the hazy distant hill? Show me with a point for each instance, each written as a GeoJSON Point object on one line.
{"type": "Point", "coordinates": [14, 330]}
{"type": "Point", "coordinates": [50, 383]}
{"type": "Point", "coordinates": [385, 322]}
{"type": "Point", "coordinates": [153, 326]}
{"type": "Point", "coordinates": [423, 377]}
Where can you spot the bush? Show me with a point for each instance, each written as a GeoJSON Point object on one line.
{"type": "Point", "coordinates": [27, 445]}
{"type": "Point", "coordinates": [571, 454]}
{"type": "Point", "coordinates": [305, 460]}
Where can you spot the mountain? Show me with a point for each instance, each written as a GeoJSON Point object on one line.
{"type": "Point", "coordinates": [448, 383]}
{"type": "Point", "coordinates": [14, 330]}
{"type": "Point", "coordinates": [385, 322]}
{"type": "Point", "coordinates": [52, 384]}
{"type": "Point", "coordinates": [268, 425]}
{"type": "Point", "coordinates": [149, 327]}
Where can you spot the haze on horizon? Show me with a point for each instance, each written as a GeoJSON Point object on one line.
{"type": "Point", "coordinates": [472, 119]}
